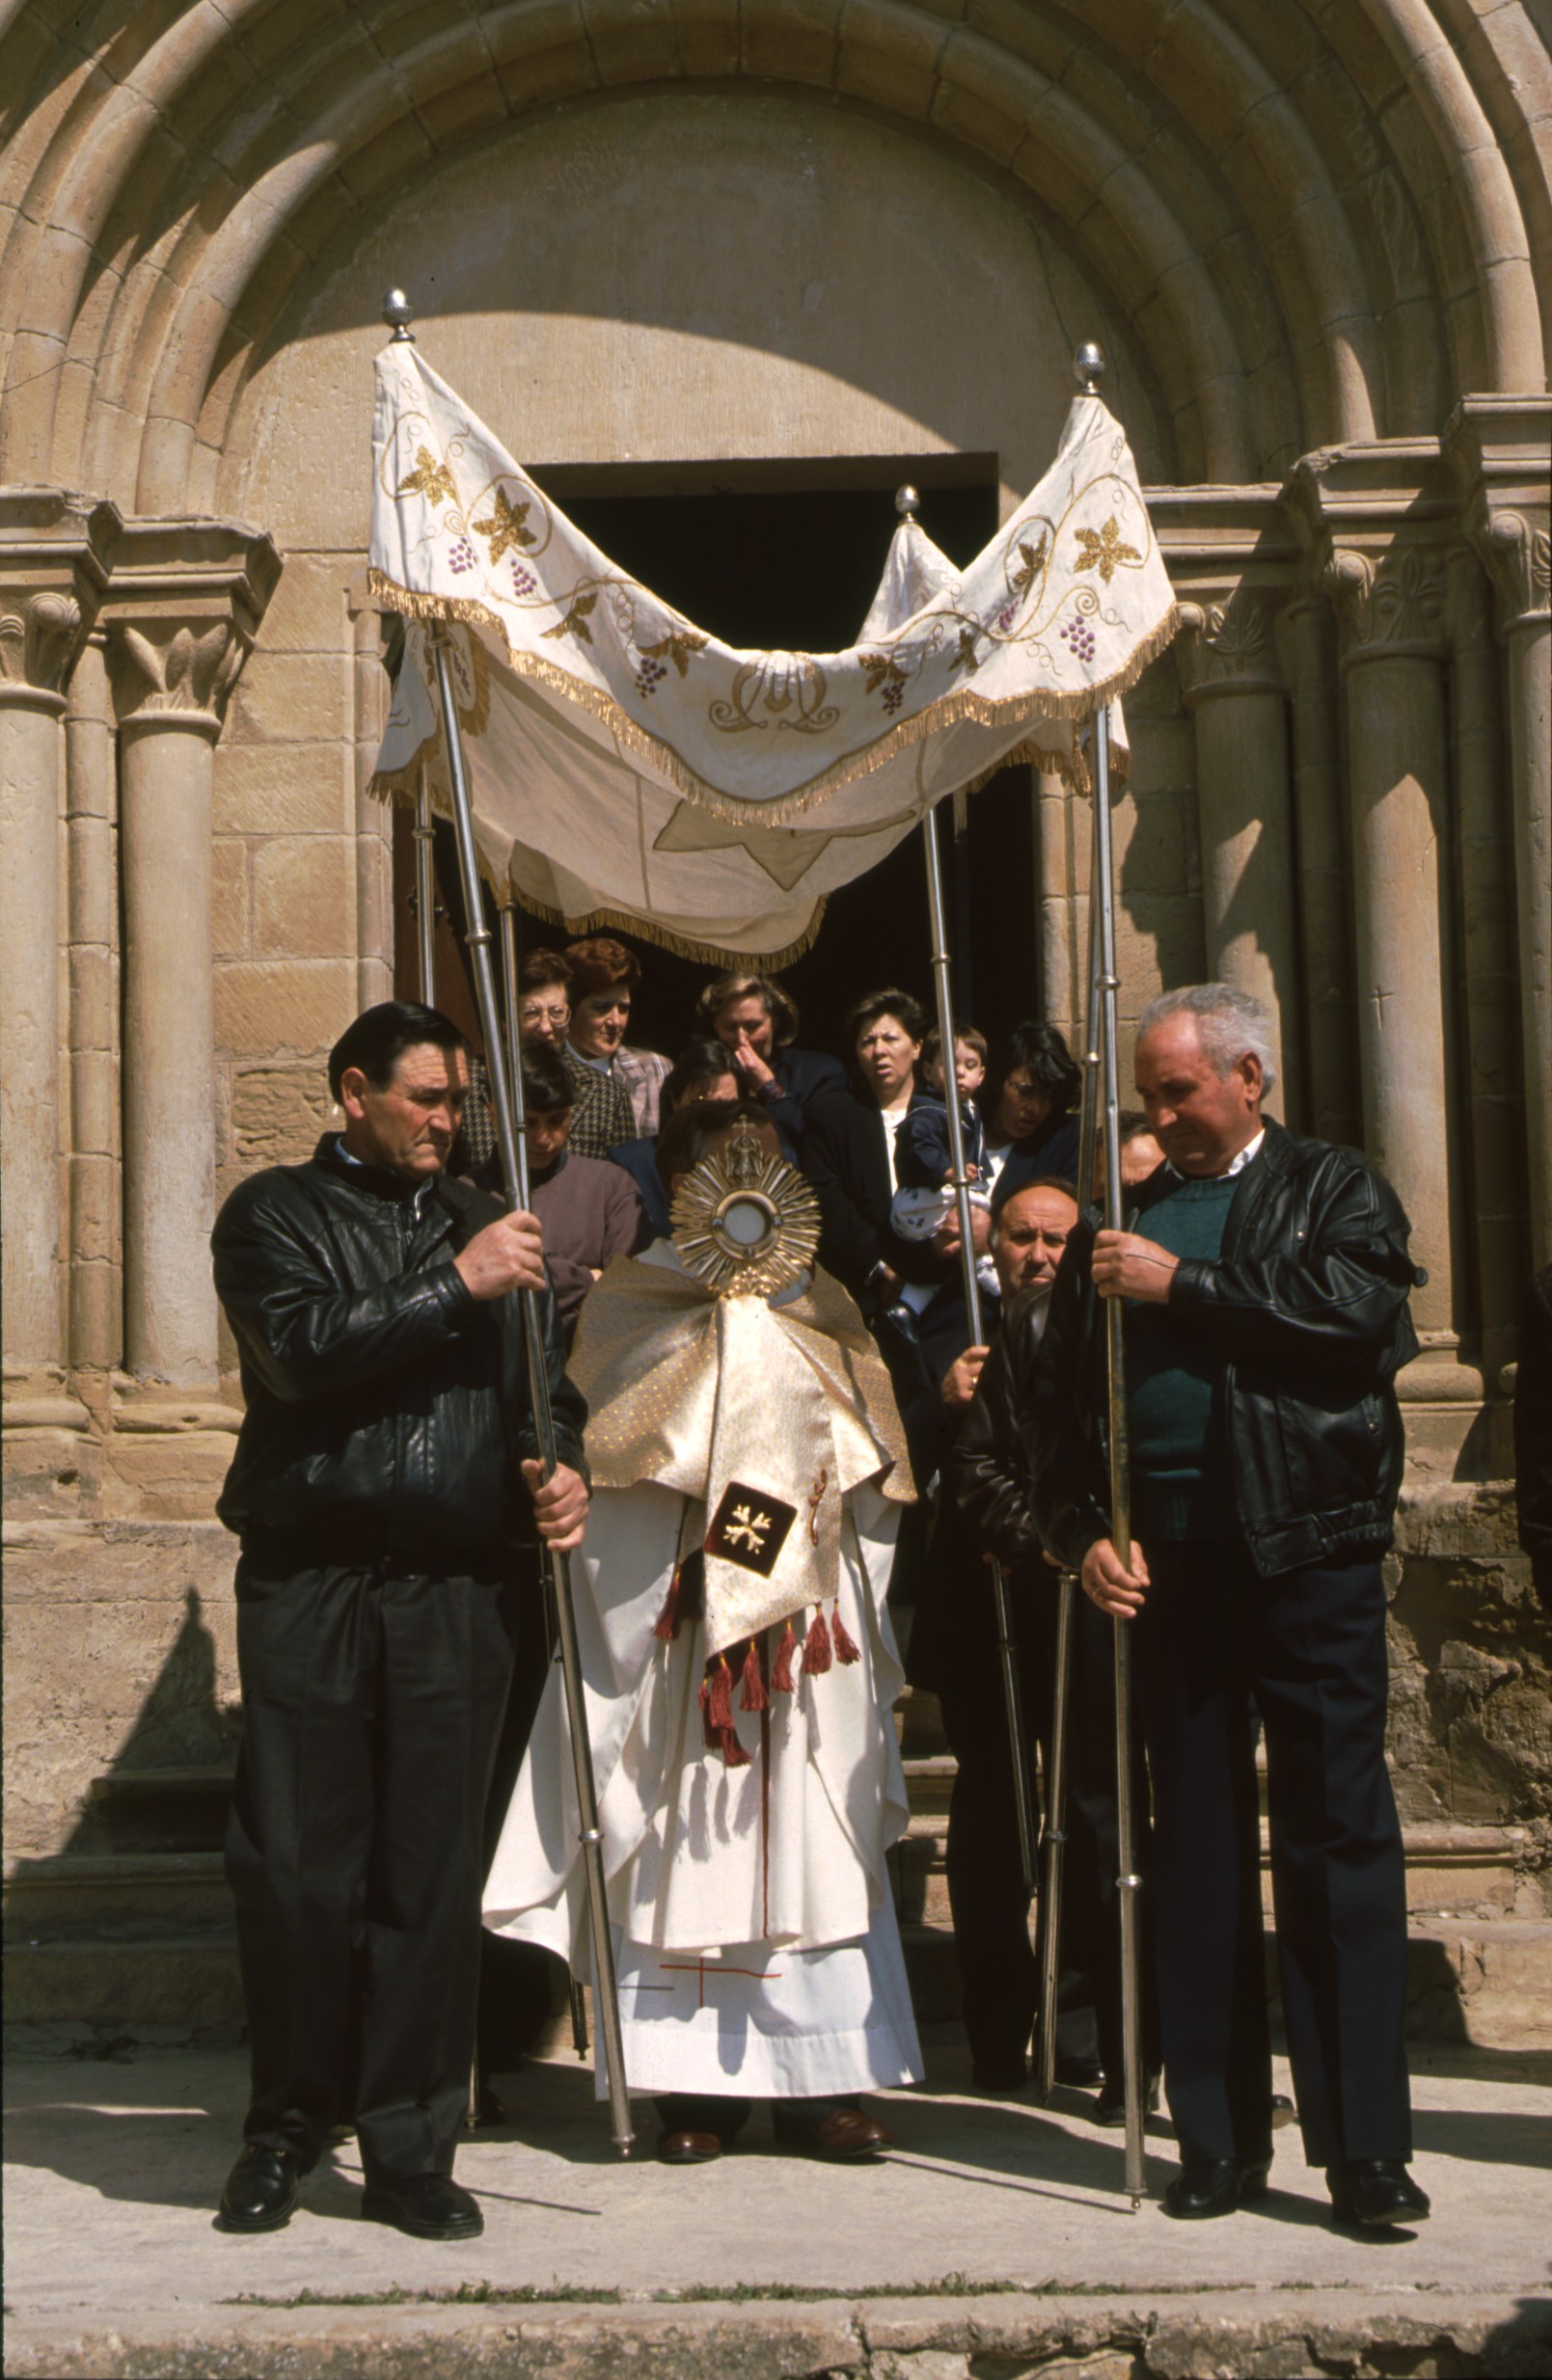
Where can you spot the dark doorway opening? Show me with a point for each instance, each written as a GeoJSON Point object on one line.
{"type": "Point", "coordinates": [798, 569]}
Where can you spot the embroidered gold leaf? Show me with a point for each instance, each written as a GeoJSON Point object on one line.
{"type": "Point", "coordinates": [965, 657]}
{"type": "Point", "coordinates": [883, 669]}
{"type": "Point", "coordinates": [1104, 550]}
{"type": "Point", "coordinates": [575, 623]}
{"type": "Point", "coordinates": [506, 525]}
{"type": "Point", "coordinates": [676, 646]}
{"type": "Point", "coordinates": [1034, 563]}
{"type": "Point", "coordinates": [429, 478]}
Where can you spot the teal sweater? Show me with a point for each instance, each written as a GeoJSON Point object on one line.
{"type": "Point", "coordinates": [1174, 1404]}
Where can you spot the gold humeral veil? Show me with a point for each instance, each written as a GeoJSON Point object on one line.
{"type": "Point", "coordinates": [701, 1392]}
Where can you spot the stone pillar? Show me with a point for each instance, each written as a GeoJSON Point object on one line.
{"type": "Point", "coordinates": [1499, 446]}
{"type": "Point", "coordinates": [1391, 610]}
{"type": "Point", "coordinates": [37, 632]}
{"type": "Point", "coordinates": [1521, 552]}
{"type": "Point", "coordinates": [374, 820]}
{"type": "Point", "coordinates": [1231, 681]}
{"type": "Point", "coordinates": [1482, 856]}
{"type": "Point", "coordinates": [94, 1305]}
{"type": "Point", "coordinates": [174, 671]}
{"type": "Point", "coordinates": [1331, 1095]}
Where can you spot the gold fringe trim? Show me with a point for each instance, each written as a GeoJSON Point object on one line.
{"type": "Point", "coordinates": [860, 763]}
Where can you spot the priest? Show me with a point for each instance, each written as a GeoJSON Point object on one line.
{"type": "Point", "coordinates": [748, 1473]}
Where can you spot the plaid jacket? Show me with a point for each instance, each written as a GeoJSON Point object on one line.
{"type": "Point", "coordinates": [642, 1073]}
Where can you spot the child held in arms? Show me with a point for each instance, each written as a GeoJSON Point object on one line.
{"type": "Point", "coordinates": [922, 1157]}
{"type": "Point", "coordinates": [749, 1472]}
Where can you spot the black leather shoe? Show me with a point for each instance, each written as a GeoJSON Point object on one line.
{"type": "Point", "coordinates": [426, 2205]}
{"type": "Point", "coordinates": [262, 2189]}
{"type": "Point", "coordinates": [1371, 2192]}
{"type": "Point", "coordinates": [1215, 2187]}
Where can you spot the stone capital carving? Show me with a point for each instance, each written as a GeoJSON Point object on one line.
{"type": "Point", "coordinates": [38, 634]}
{"type": "Point", "coordinates": [1227, 648]}
{"type": "Point", "coordinates": [1389, 606]}
{"type": "Point", "coordinates": [175, 671]}
{"type": "Point", "coordinates": [1516, 548]}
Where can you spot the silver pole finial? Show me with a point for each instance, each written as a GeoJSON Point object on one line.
{"type": "Point", "coordinates": [1089, 366]}
{"type": "Point", "coordinates": [399, 313]}
{"type": "Point", "coordinates": [905, 501]}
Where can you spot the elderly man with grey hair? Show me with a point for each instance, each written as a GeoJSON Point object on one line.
{"type": "Point", "coordinates": [1265, 1280]}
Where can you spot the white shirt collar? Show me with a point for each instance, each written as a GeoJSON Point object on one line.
{"type": "Point", "coordinates": [600, 1066]}
{"type": "Point", "coordinates": [1236, 1165]}
{"type": "Point", "coordinates": [360, 1164]}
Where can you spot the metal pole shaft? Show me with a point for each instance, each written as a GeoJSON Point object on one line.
{"type": "Point", "coordinates": [1129, 1882]}
{"type": "Point", "coordinates": [512, 1001]}
{"type": "Point", "coordinates": [1055, 1836]}
{"type": "Point", "coordinates": [1007, 1651]}
{"type": "Point", "coordinates": [425, 892]}
{"type": "Point", "coordinates": [504, 1082]}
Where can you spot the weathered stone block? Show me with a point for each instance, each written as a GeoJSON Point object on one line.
{"type": "Point", "coordinates": [300, 1004]}
{"type": "Point", "coordinates": [307, 611]}
{"type": "Point", "coordinates": [303, 903]}
{"type": "Point", "coordinates": [300, 787]}
{"type": "Point", "coordinates": [120, 1649]}
{"type": "Point", "coordinates": [228, 897]}
{"type": "Point", "coordinates": [289, 698]}
{"type": "Point", "coordinates": [277, 1113]}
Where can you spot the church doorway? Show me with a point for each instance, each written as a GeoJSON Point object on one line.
{"type": "Point", "coordinates": [796, 567]}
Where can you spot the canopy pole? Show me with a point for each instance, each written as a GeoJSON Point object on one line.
{"type": "Point", "coordinates": [1128, 1883]}
{"type": "Point", "coordinates": [512, 1003]}
{"type": "Point", "coordinates": [425, 891]}
{"type": "Point", "coordinates": [506, 1080]}
{"type": "Point", "coordinates": [1056, 1781]}
{"type": "Point", "coordinates": [1007, 1652]}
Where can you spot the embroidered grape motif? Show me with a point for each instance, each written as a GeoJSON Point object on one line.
{"type": "Point", "coordinates": [1078, 639]}
{"type": "Point", "coordinates": [524, 581]}
{"type": "Point", "coordinates": [462, 555]}
{"type": "Point", "coordinates": [649, 677]}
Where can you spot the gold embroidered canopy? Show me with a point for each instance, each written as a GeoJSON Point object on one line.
{"type": "Point", "coordinates": [629, 769]}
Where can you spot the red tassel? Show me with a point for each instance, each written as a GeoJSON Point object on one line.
{"type": "Point", "coordinates": [733, 1752]}
{"type": "Point", "coordinates": [720, 1702]}
{"type": "Point", "coordinates": [845, 1649]}
{"type": "Point", "coordinates": [711, 1736]}
{"type": "Point", "coordinates": [667, 1624]}
{"type": "Point", "coordinates": [754, 1697]}
{"type": "Point", "coordinates": [782, 1681]}
{"type": "Point", "coordinates": [816, 1645]}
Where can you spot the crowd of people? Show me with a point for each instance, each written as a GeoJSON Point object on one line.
{"type": "Point", "coordinates": [402, 1768]}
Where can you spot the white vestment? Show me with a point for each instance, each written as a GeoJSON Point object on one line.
{"type": "Point", "coordinates": [754, 1927]}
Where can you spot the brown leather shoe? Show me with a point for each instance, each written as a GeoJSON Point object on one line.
{"type": "Point", "coordinates": [689, 2148]}
{"type": "Point", "coordinates": [847, 2133]}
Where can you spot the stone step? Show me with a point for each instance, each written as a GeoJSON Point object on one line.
{"type": "Point", "coordinates": [115, 1897]}
{"type": "Point", "coordinates": [182, 1809]}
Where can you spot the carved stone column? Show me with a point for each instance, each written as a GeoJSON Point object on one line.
{"type": "Point", "coordinates": [1483, 858]}
{"type": "Point", "coordinates": [186, 602]}
{"type": "Point", "coordinates": [173, 677]}
{"type": "Point", "coordinates": [1391, 609]}
{"type": "Point", "coordinates": [48, 588]}
{"type": "Point", "coordinates": [1229, 675]}
{"type": "Point", "coordinates": [1499, 445]}
{"type": "Point", "coordinates": [96, 1294]}
{"type": "Point", "coordinates": [1323, 839]}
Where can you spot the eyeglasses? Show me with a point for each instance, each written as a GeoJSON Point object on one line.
{"type": "Point", "coordinates": [543, 1013]}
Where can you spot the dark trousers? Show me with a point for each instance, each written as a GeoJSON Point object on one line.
{"type": "Point", "coordinates": [999, 1974]}
{"type": "Point", "coordinates": [1308, 1652]}
{"type": "Point", "coordinates": [373, 1702]}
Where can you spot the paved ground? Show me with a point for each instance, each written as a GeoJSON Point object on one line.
{"type": "Point", "coordinates": [995, 2232]}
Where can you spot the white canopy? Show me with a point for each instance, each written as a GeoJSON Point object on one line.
{"type": "Point", "coordinates": [628, 768]}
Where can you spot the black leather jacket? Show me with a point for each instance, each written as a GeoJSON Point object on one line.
{"type": "Point", "coordinates": [387, 1408]}
{"type": "Point", "coordinates": [1306, 1306]}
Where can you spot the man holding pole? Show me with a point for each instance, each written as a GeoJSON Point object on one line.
{"type": "Point", "coordinates": [386, 1473]}
{"type": "Point", "coordinates": [1265, 1282]}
